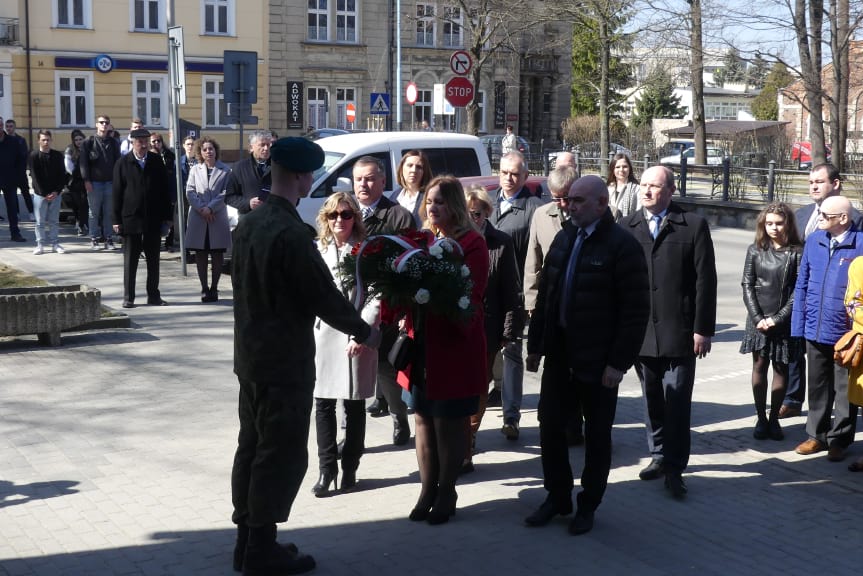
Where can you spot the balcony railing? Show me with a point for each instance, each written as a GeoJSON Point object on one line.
{"type": "Point", "coordinates": [9, 31]}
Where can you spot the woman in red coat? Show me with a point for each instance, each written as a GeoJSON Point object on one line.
{"type": "Point", "coordinates": [446, 383]}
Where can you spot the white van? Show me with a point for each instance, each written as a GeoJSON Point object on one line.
{"type": "Point", "coordinates": [456, 154]}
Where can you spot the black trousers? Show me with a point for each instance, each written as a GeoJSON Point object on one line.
{"type": "Point", "coordinates": [561, 388]}
{"type": "Point", "coordinates": [76, 199]}
{"type": "Point", "coordinates": [828, 385]}
{"type": "Point", "coordinates": [666, 384]}
{"type": "Point", "coordinates": [133, 245]}
{"type": "Point", "coordinates": [327, 431]}
{"type": "Point", "coordinates": [272, 454]}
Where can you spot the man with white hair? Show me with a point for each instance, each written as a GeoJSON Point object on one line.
{"type": "Point", "coordinates": [250, 180]}
{"type": "Point", "coordinates": [819, 316]}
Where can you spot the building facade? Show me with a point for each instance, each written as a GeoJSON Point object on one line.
{"type": "Point", "coordinates": [329, 56]}
{"type": "Point", "coordinates": [90, 57]}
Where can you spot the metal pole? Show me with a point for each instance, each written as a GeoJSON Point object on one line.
{"type": "Point", "coordinates": [682, 188]}
{"type": "Point", "coordinates": [726, 178]}
{"type": "Point", "coordinates": [398, 87]}
{"type": "Point", "coordinates": [174, 120]}
{"type": "Point", "coordinates": [771, 178]}
{"type": "Point", "coordinates": [239, 114]}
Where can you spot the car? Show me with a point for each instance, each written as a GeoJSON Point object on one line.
{"type": "Point", "coordinates": [801, 154]}
{"type": "Point", "coordinates": [324, 133]}
{"type": "Point", "coordinates": [492, 143]}
{"type": "Point", "coordinates": [714, 157]}
{"type": "Point", "coordinates": [535, 184]}
{"type": "Point", "coordinates": [591, 149]}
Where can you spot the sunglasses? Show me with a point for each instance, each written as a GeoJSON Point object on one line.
{"type": "Point", "coordinates": [104, 122]}
{"type": "Point", "coordinates": [345, 214]}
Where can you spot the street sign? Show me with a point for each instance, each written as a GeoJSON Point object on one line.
{"type": "Point", "coordinates": [411, 93]}
{"type": "Point", "coordinates": [459, 91]}
{"type": "Point", "coordinates": [460, 62]}
{"type": "Point", "coordinates": [380, 104]}
{"type": "Point", "coordinates": [351, 112]}
{"type": "Point", "coordinates": [241, 76]}
{"type": "Point", "coordinates": [295, 106]}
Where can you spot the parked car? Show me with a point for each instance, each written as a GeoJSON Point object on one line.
{"type": "Point", "coordinates": [714, 157]}
{"type": "Point", "coordinates": [456, 154]}
{"type": "Point", "coordinates": [591, 149]}
{"type": "Point", "coordinates": [801, 154]}
{"type": "Point", "coordinates": [325, 133]}
{"type": "Point", "coordinates": [493, 142]}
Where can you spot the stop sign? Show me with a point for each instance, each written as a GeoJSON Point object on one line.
{"type": "Point", "coordinates": [459, 91]}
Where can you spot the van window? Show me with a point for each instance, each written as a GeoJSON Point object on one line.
{"type": "Point", "coordinates": [456, 161]}
{"type": "Point", "coordinates": [346, 171]}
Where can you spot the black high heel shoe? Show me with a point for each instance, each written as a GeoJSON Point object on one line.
{"type": "Point", "coordinates": [421, 511]}
{"type": "Point", "coordinates": [443, 509]}
{"type": "Point", "coordinates": [322, 486]}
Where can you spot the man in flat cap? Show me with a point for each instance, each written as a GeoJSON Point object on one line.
{"type": "Point", "coordinates": [141, 204]}
{"type": "Point", "coordinates": [281, 285]}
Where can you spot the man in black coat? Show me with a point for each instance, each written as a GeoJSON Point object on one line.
{"type": "Point", "coordinates": [250, 180]}
{"type": "Point", "coordinates": [589, 319]}
{"type": "Point", "coordinates": [141, 204]}
{"type": "Point", "coordinates": [383, 216]}
{"type": "Point", "coordinates": [682, 267]}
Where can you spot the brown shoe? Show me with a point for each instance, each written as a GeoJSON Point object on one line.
{"type": "Point", "coordinates": [811, 446]}
{"type": "Point", "coordinates": [788, 411]}
{"type": "Point", "coordinates": [836, 453]}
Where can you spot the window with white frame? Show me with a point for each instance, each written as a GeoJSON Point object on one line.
{"type": "Point", "coordinates": [316, 100]}
{"type": "Point", "coordinates": [149, 101]}
{"type": "Point", "coordinates": [215, 109]}
{"type": "Point", "coordinates": [346, 20]}
{"type": "Point", "coordinates": [73, 99]}
{"type": "Point", "coordinates": [452, 27]}
{"type": "Point", "coordinates": [318, 20]}
{"type": "Point", "coordinates": [423, 108]}
{"type": "Point", "coordinates": [147, 15]}
{"type": "Point", "coordinates": [425, 24]}
{"type": "Point", "coordinates": [218, 17]}
{"type": "Point", "coordinates": [72, 13]}
{"type": "Point", "coordinates": [344, 96]}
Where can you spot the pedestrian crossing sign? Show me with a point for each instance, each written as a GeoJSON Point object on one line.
{"type": "Point", "coordinates": [380, 103]}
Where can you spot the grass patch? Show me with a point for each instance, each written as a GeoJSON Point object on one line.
{"type": "Point", "coordinates": [13, 278]}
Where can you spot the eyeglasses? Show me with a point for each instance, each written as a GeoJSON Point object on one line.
{"type": "Point", "coordinates": [345, 215]}
{"type": "Point", "coordinates": [826, 216]}
{"type": "Point", "coordinates": [103, 122]}
{"type": "Point", "coordinates": [475, 214]}
{"type": "Point", "coordinates": [559, 199]}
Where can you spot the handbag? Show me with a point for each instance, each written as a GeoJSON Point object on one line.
{"type": "Point", "coordinates": [402, 351]}
{"type": "Point", "coordinates": [848, 350]}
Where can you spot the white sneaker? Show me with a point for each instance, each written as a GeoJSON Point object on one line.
{"type": "Point", "coordinates": [38, 250]}
{"type": "Point", "coordinates": [109, 245]}
{"type": "Point", "coordinates": [94, 245]}
{"type": "Point", "coordinates": [59, 249]}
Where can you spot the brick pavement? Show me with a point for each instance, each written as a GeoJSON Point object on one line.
{"type": "Point", "coordinates": [115, 453]}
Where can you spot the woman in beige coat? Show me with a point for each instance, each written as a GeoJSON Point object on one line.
{"type": "Point", "coordinates": [209, 233]}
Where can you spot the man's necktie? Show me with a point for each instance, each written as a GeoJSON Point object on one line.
{"type": "Point", "coordinates": [812, 225]}
{"type": "Point", "coordinates": [366, 212]}
{"type": "Point", "coordinates": [570, 276]}
{"type": "Point", "coordinates": [834, 243]}
{"type": "Point", "coordinates": [654, 225]}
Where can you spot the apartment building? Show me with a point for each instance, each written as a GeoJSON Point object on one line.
{"type": "Point", "coordinates": [75, 59]}
{"type": "Point", "coordinates": [328, 55]}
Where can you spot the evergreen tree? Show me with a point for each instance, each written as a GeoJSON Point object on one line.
{"type": "Point", "coordinates": [733, 69]}
{"type": "Point", "coordinates": [657, 100]}
{"type": "Point", "coordinates": [765, 106]}
{"type": "Point", "coordinates": [756, 73]}
{"type": "Point", "coordinates": [586, 67]}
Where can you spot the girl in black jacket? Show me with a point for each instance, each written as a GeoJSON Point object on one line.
{"type": "Point", "coordinates": [769, 275]}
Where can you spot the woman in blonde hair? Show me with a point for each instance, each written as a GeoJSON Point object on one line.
{"type": "Point", "coordinates": [338, 375]}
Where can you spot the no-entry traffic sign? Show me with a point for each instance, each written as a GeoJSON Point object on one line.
{"type": "Point", "coordinates": [459, 91]}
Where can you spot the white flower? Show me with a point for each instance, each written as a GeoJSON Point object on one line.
{"type": "Point", "coordinates": [422, 296]}
{"type": "Point", "coordinates": [463, 302]}
{"type": "Point", "coordinates": [465, 271]}
{"type": "Point", "coordinates": [436, 251]}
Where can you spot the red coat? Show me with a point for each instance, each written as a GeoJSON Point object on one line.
{"type": "Point", "coordinates": [456, 351]}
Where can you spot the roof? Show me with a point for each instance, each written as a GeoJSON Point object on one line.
{"type": "Point", "coordinates": [716, 128]}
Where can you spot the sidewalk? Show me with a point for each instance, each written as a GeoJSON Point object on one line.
{"type": "Point", "coordinates": [116, 450]}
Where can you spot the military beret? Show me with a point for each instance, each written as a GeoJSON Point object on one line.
{"type": "Point", "coordinates": [140, 133]}
{"type": "Point", "coordinates": [297, 154]}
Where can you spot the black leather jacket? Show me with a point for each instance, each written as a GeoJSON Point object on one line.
{"type": "Point", "coordinates": [768, 283]}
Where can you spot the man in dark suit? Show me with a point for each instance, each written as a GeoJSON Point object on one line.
{"type": "Point", "coordinates": [824, 182]}
{"type": "Point", "coordinates": [250, 180]}
{"type": "Point", "coordinates": [383, 216]}
{"type": "Point", "coordinates": [589, 320]}
{"type": "Point", "coordinates": [682, 267]}
{"type": "Point", "coordinates": [141, 204]}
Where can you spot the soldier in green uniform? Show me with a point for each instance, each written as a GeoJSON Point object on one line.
{"type": "Point", "coordinates": [280, 285]}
